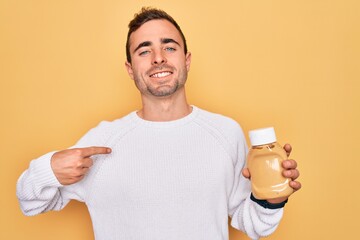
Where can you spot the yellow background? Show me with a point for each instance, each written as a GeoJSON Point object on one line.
{"type": "Point", "coordinates": [291, 64]}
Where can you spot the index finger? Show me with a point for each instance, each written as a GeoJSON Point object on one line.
{"type": "Point", "coordinates": [89, 151]}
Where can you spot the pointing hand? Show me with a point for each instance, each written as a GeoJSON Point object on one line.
{"type": "Point", "coordinates": [71, 165]}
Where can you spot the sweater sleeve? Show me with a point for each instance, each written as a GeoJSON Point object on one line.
{"type": "Point", "coordinates": [246, 215]}
{"type": "Point", "coordinates": [38, 189]}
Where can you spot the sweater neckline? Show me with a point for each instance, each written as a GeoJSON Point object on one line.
{"type": "Point", "coordinates": [166, 124]}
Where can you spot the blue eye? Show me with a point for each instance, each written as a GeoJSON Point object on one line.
{"type": "Point", "coordinates": [144, 53]}
{"type": "Point", "coordinates": [170, 49]}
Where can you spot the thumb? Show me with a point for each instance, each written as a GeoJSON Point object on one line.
{"type": "Point", "coordinates": [246, 173]}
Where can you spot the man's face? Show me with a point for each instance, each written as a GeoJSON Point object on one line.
{"type": "Point", "coordinates": [158, 65]}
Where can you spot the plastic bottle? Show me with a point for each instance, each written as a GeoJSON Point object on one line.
{"type": "Point", "coordinates": [264, 161]}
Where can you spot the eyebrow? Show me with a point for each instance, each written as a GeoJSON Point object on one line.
{"type": "Point", "coordinates": [143, 44]}
{"type": "Point", "coordinates": [169, 40]}
{"type": "Point", "coordinates": [162, 40]}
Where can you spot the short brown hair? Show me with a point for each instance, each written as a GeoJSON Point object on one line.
{"type": "Point", "coordinates": [146, 14]}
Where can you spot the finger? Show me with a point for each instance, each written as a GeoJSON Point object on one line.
{"type": "Point", "coordinates": [89, 151]}
{"type": "Point", "coordinates": [288, 149]}
{"type": "Point", "coordinates": [72, 180]}
{"type": "Point", "coordinates": [87, 163]}
{"type": "Point", "coordinates": [292, 173]}
{"type": "Point", "coordinates": [80, 173]}
{"type": "Point", "coordinates": [84, 171]}
{"type": "Point", "coordinates": [295, 185]}
{"type": "Point", "coordinates": [76, 179]}
{"type": "Point", "coordinates": [289, 164]}
{"type": "Point", "coordinates": [246, 173]}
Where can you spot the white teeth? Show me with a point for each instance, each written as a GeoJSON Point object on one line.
{"type": "Point", "coordinates": [161, 74]}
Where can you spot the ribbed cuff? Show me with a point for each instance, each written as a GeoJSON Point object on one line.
{"type": "Point", "coordinates": [43, 172]}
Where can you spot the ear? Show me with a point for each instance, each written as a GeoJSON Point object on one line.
{"type": "Point", "coordinates": [129, 69]}
{"type": "Point", "coordinates": [188, 60]}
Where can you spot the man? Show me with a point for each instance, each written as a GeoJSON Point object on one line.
{"type": "Point", "coordinates": [167, 171]}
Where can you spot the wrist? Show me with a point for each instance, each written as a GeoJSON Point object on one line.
{"type": "Point", "coordinates": [271, 204]}
{"type": "Point", "coordinates": [277, 200]}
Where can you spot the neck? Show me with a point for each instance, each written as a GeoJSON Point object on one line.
{"type": "Point", "coordinates": [165, 108]}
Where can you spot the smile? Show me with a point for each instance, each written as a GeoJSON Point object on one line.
{"type": "Point", "coordinates": [160, 74]}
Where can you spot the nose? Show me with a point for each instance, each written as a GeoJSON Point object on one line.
{"type": "Point", "coordinates": [158, 58]}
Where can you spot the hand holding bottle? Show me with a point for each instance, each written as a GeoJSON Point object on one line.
{"type": "Point", "coordinates": [274, 175]}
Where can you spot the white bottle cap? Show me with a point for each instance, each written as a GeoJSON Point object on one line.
{"type": "Point", "coordinates": [262, 136]}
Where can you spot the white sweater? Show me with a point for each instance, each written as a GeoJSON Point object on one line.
{"type": "Point", "coordinates": [177, 180]}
